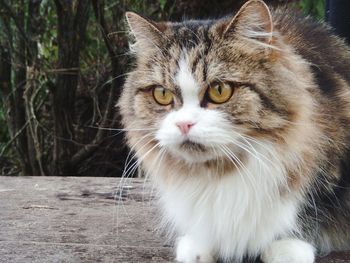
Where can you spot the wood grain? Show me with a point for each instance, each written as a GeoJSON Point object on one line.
{"type": "Point", "coordinates": [78, 219]}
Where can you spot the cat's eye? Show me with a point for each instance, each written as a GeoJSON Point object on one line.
{"type": "Point", "coordinates": [219, 92]}
{"type": "Point", "coordinates": [162, 96]}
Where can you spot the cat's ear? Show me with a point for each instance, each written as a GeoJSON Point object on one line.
{"type": "Point", "coordinates": [252, 21]}
{"type": "Point", "coordinates": [148, 34]}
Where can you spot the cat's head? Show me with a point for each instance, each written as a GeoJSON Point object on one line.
{"type": "Point", "coordinates": [206, 90]}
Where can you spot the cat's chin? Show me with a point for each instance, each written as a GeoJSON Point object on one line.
{"type": "Point", "coordinates": [191, 158]}
{"type": "Point", "coordinates": [192, 153]}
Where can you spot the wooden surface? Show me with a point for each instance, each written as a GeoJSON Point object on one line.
{"type": "Point", "coordinates": [70, 219]}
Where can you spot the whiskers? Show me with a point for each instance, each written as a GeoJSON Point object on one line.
{"type": "Point", "coordinates": [260, 165]}
{"type": "Point", "coordinates": [141, 149]}
{"type": "Point", "coordinates": [122, 130]}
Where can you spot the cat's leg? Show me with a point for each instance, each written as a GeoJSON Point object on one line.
{"type": "Point", "coordinates": [289, 251]}
{"type": "Point", "coordinates": [190, 250]}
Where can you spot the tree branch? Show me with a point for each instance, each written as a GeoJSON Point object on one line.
{"type": "Point", "coordinates": [13, 139]}
{"type": "Point", "coordinates": [86, 151]}
{"type": "Point", "coordinates": [15, 19]}
{"type": "Point", "coordinates": [98, 6]}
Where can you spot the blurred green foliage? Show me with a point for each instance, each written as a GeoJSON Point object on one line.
{"type": "Point", "coordinates": [315, 8]}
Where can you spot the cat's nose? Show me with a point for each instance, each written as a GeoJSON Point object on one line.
{"type": "Point", "coordinates": [184, 126]}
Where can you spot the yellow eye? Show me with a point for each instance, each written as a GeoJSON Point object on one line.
{"type": "Point", "coordinates": [163, 96]}
{"type": "Point", "coordinates": [220, 92]}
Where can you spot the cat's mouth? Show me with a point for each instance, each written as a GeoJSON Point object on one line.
{"type": "Point", "coordinates": [192, 152]}
{"type": "Point", "coordinates": [192, 146]}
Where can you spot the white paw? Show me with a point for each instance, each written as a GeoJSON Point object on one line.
{"type": "Point", "coordinates": [289, 251]}
{"type": "Point", "coordinates": [188, 251]}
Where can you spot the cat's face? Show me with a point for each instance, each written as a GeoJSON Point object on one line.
{"type": "Point", "coordinates": [207, 90]}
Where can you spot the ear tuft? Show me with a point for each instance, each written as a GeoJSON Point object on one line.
{"type": "Point", "coordinates": [252, 21]}
{"type": "Point", "coordinates": [147, 33]}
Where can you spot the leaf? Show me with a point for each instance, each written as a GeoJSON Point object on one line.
{"type": "Point", "coordinates": [315, 8]}
{"type": "Point", "coordinates": [162, 4]}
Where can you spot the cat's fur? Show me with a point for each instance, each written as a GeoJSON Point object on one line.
{"type": "Point", "coordinates": [268, 172]}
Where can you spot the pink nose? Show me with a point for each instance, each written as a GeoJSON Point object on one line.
{"type": "Point", "coordinates": [184, 126]}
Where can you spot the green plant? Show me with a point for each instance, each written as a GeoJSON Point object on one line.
{"type": "Point", "coordinates": [315, 8]}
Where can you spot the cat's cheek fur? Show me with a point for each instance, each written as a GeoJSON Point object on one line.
{"type": "Point", "coordinates": [289, 251]}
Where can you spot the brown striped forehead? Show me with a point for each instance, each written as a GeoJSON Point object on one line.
{"type": "Point", "coordinates": [166, 67]}
{"type": "Point", "coordinates": [208, 55]}
{"type": "Point", "coordinates": [190, 33]}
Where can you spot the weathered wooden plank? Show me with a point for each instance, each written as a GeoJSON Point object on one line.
{"type": "Point", "coordinates": [77, 219]}
{"type": "Point", "coordinates": [57, 219]}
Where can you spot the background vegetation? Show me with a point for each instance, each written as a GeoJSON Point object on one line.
{"type": "Point", "coordinates": [62, 65]}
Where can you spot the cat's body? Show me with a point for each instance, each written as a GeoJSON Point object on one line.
{"type": "Point", "coordinates": [244, 126]}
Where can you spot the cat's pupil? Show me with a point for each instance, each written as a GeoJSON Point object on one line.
{"type": "Point", "coordinates": [219, 89]}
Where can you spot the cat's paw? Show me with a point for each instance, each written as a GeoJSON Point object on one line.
{"type": "Point", "coordinates": [188, 251]}
{"type": "Point", "coordinates": [289, 251]}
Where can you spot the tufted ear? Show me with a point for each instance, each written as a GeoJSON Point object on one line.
{"type": "Point", "coordinates": [148, 34]}
{"type": "Point", "coordinates": [252, 21]}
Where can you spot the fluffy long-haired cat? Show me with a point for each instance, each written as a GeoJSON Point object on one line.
{"type": "Point", "coordinates": [243, 124]}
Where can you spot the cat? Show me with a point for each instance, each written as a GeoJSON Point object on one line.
{"type": "Point", "coordinates": [243, 125]}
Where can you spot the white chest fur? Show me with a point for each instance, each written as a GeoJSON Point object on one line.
{"type": "Point", "coordinates": [235, 215]}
